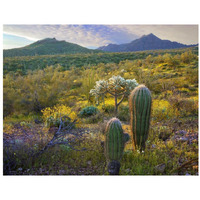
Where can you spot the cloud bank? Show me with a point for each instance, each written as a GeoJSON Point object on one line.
{"type": "Point", "coordinates": [99, 35]}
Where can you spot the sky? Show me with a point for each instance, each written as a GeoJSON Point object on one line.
{"type": "Point", "coordinates": [94, 36]}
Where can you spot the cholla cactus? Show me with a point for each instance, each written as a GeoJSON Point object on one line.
{"type": "Point", "coordinates": [114, 144]}
{"type": "Point", "coordinates": [119, 84]}
{"type": "Point", "coordinates": [99, 88]}
{"type": "Point", "coordinates": [115, 86]}
{"type": "Point", "coordinates": [140, 110]}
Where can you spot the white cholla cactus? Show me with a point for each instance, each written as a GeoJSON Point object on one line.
{"type": "Point", "coordinates": [99, 88]}
{"type": "Point", "coordinates": [116, 86]}
{"type": "Point", "coordinates": [131, 84]}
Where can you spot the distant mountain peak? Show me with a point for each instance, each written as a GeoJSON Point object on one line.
{"type": "Point", "coordinates": [146, 42]}
{"type": "Point", "coordinates": [48, 46]}
{"type": "Point", "coordinates": [150, 36]}
{"type": "Point", "coordinates": [46, 40]}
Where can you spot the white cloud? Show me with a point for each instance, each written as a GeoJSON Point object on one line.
{"type": "Point", "coordinates": [70, 33]}
{"type": "Point", "coordinates": [99, 35]}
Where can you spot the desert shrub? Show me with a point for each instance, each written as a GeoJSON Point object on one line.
{"type": "Point", "coordinates": [164, 132]}
{"type": "Point", "coordinates": [187, 57]}
{"type": "Point", "coordinates": [123, 113]}
{"type": "Point", "coordinates": [156, 86]}
{"type": "Point", "coordinates": [192, 75]}
{"type": "Point", "coordinates": [185, 85]}
{"type": "Point", "coordinates": [185, 106]}
{"type": "Point", "coordinates": [93, 119]}
{"type": "Point", "coordinates": [190, 106]}
{"type": "Point", "coordinates": [193, 89]}
{"type": "Point", "coordinates": [89, 111]}
{"type": "Point", "coordinates": [8, 128]}
{"type": "Point", "coordinates": [17, 118]}
{"type": "Point", "coordinates": [108, 108]}
{"type": "Point", "coordinates": [25, 124]}
{"type": "Point", "coordinates": [162, 110]}
{"type": "Point", "coordinates": [52, 115]}
{"type": "Point", "coordinates": [102, 127]}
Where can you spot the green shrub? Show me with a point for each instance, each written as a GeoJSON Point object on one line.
{"type": "Point", "coordinates": [94, 119]}
{"type": "Point", "coordinates": [55, 122]}
{"type": "Point", "coordinates": [25, 124]}
{"type": "Point", "coordinates": [123, 113]}
{"type": "Point", "coordinates": [89, 111]}
{"type": "Point", "coordinates": [108, 108]}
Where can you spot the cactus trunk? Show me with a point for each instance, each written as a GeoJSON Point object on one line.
{"type": "Point", "coordinates": [114, 145]}
{"type": "Point", "coordinates": [114, 140]}
{"type": "Point", "coordinates": [140, 110]}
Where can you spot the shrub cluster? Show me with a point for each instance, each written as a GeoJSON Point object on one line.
{"type": "Point", "coordinates": [52, 115]}
{"type": "Point", "coordinates": [89, 111]}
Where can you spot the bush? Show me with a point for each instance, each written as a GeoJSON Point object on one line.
{"type": "Point", "coordinates": [123, 113]}
{"type": "Point", "coordinates": [108, 108]}
{"type": "Point", "coordinates": [52, 116]}
{"type": "Point", "coordinates": [163, 110]}
{"type": "Point", "coordinates": [186, 106]}
{"type": "Point", "coordinates": [89, 111]}
{"type": "Point", "coordinates": [94, 119]}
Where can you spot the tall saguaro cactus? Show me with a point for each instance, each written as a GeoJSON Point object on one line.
{"type": "Point", "coordinates": [140, 110]}
{"type": "Point", "coordinates": [114, 145]}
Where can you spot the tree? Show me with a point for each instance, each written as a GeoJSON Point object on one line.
{"type": "Point", "coordinates": [115, 86]}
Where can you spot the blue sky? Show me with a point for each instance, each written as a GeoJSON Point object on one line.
{"type": "Point", "coordinates": [12, 41]}
{"type": "Point", "coordinates": [93, 36]}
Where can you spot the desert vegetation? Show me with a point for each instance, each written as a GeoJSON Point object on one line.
{"type": "Point", "coordinates": [55, 113]}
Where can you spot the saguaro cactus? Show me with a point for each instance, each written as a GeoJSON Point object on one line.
{"type": "Point", "coordinates": [140, 110]}
{"type": "Point", "coordinates": [114, 145]}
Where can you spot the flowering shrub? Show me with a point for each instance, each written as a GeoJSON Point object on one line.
{"type": "Point", "coordinates": [52, 116]}
{"type": "Point", "coordinates": [162, 109]}
{"type": "Point", "coordinates": [89, 111]}
{"type": "Point", "coordinates": [107, 106]}
{"type": "Point", "coordinates": [8, 128]}
{"type": "Point", "coordinates": [186, 106]}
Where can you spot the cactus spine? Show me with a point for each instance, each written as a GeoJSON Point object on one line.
{"type": "Point", "coordinates": [114, 145]}
{"type": "Point", "coordinates": [140, 110]}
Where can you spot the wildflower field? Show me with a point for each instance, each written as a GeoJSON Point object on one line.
{"type": "Point", "coordinates": [56, 113]}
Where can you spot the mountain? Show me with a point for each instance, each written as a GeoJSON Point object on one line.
{"type": "Point", "coordinates": [146, 42]}
{"type": "Point", "coordinates": [48, 46]}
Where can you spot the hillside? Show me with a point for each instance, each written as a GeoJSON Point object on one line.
{"type": "Point", "coordinates": [22, 64]}
{"type": "Point", "coordinates": [48, 46]}
{"type": "Point", "coordinates": [146, 42]}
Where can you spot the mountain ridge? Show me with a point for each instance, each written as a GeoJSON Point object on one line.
{"type": "Point", "coordinates": [146, 42]}
{"type": "Point", "coordinates": [47, 46]}
{"type": "Point", "coordinates": [52, 46]}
